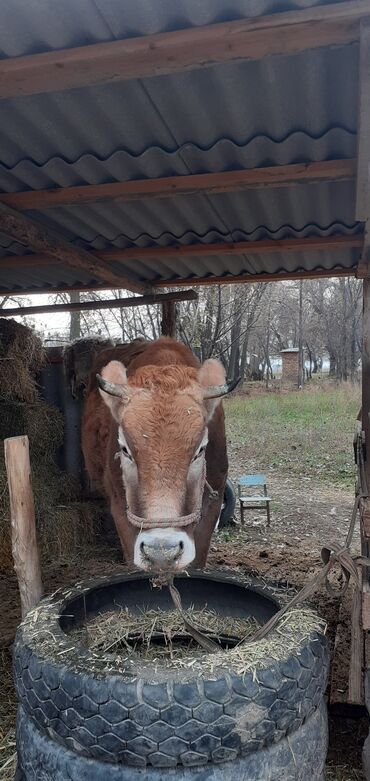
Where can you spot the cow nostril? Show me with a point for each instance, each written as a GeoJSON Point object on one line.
{"type": "Point", "coordinates": [181, 546]}
{"type": "Point", "coordinates": [142, 546]}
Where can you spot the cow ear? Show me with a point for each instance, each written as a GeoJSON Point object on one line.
{"type": "Point", "coordinates": [113, 387]}
{"type": "Point", "coordinates": [211, 373]}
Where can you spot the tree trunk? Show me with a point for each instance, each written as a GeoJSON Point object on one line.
{"type": "Point", "coordinates": [75, 322]}
{"type": "Point", "coordinates": [243, 357]}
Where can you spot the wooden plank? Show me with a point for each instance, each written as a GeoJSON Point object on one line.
{"type": "Point", "coordinates": [22, 511]}
{"type": "Point", "coordinates": [195, 281]}
{"type": "Point", "coordinates": [168, 324]}
{"type": "Point", "coordinates": [172, 186]}
{"type": "Point", "coordinates": [229, 279]}
{"type": "Point", "coordinates": [363, 142]}
{"type": "Point", "coordinates": [340, 657]}
{"type": "Point", "coordinates": [112, 303]}
{"type": "Point", "coordinates": [355, 679]}
{"type": "Point", "coordinates": [366, 376]}
{"type": "Point", "coordinates": [365, 518]}
{"type": "Point", "coordinates": [264, 246]}
{"type": "Point", "coordinates": [198, 47]}
{"type": "Point", "coordinates": [366, 610]}
{"type": "Point", "coordinates": [42, 239]}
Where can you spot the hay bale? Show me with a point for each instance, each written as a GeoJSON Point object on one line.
{"type": "Point", "coordinates": [42, 423]}
{"type": "Point", "coordinates": [63, 522]}
{"type": "Point", "coordinates": [21, 356]}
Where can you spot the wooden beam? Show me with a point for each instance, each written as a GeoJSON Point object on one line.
{"type": "Point", "coordinates": [198, 47]}
{"type": "Point", "coordinates": [363, 136]}
{"type": "Point", "coordinates": [366, 375]}
{"type": "Point", "coordinates": [147, 254]}
{"type": "Point", "coordinates": [42, 239]}
{"type": "Point", "coordinates": [279, 276]}
{"type": "Point", "coordinates": [168, 323]}
{"type": "Point", "coordinates": [355, 677]}
{"type": "Point", "coordinates": [340, 661]}
{"type": "Point", "coordinates": [196, 281]}
{"type": "Point", "coordinates": [172, 186]}
{"type": "Point", "coordinates": [112, 303]}
{"type": "Point", "coordinates": [22, 512]}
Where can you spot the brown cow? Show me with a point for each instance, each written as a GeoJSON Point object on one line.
{"type": "Point", "coordinates": [153, 438]}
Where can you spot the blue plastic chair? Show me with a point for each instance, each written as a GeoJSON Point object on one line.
{"type": "Point", "coordinates": [253, 501]}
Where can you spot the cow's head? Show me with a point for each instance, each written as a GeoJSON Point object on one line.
{"type": "Point", "coordinates": [163, 414]}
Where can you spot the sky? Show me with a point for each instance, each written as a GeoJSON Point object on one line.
{"type": "Point", "coordinates": [52, 324]}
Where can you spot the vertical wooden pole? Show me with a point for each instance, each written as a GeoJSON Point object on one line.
{"type": "Point", "coordinates": [366, 375]}
{"type": "Point", "coordinates": [22, 511]}
{"type": "Point", "coordinates": [355, 678]}
{"type": "Point", "coordinates": [169, 319]}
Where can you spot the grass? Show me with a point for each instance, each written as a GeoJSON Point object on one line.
{"type": "Point", "coordinates": [306, 432]}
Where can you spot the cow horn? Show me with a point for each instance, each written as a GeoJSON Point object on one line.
{"type": "Point", "coordinates": [111, 387]}
{"type": "Point", "coordinates": [215, 391]}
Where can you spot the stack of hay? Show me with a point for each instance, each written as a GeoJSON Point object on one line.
{"type": "Point", "coordinates": [63, 522]}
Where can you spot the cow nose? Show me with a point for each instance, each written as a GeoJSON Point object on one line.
{"type": "Point", "coordinates": [161, 553]}
{"type": "Point", "coordinates": [164, 549]}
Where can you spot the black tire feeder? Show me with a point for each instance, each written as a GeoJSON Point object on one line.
{"type": "Point", "coordinates": [82, 717]}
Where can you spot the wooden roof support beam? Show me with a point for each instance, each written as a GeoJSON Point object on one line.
{"type": "Point", "coordinates": [195, 282]}
{"type": "Point", "coordinates": [363, 151]}
{"type": "Point", "coordinates": [147, 254]}
{"type": "Point", "coordinates": [42, 239]}
{"type": "Point", "coordinates": [279, 276]}
{"type": "Point", "coordinates": [111, 303]}
{"type": "Point", "coordinates": [169, 187]}
{"type": "Point", "coordinates": [198, 47]}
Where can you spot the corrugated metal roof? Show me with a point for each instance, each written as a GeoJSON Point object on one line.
{"type": "Point", "coordinates": [276, 111]}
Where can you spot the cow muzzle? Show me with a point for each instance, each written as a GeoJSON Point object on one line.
{"type": "Point", "coordinates": [163, 550]}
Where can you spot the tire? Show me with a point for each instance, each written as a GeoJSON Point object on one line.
{"type": "Point", "coordinates": [163, 717]}
{"type": "Point", "coordinates": [299, 757]}
{"type": "Point", "coordinates": [228, 506]}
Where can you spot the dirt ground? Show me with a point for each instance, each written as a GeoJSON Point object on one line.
{"type": "Point", "coordinates": [306, 514]}
{"type": "Point", "coordinates": [289, 552]}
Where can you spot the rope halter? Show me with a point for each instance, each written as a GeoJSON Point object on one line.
{"type": "Point", "coordinates": [179, 522]}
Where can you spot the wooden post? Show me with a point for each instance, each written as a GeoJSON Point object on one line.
{"type": "Point", "coordinates": [22, 511]}
{"type": "Point", "coordinates": [169, 319]}
{"type": "Point", "coordinates": [355, 679]}
{"type": "Point", "coordinates": [366, 375]}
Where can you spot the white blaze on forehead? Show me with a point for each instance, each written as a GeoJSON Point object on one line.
{"type": "Point", "coordinates": [170, 537]}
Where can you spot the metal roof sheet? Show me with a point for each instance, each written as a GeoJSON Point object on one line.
{"type": "Point", "coordinates": [276, 111]}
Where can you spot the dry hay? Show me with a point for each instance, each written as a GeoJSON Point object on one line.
{"type": "Point", "coordinates": [160, 634]}
{"type": "Point", "coordinates": [42, 423]}
{"type": "Point", "coordinates": [297, 627]}
{"type": "Point", "coordinates": [64, 523]}
{"type": "Point", "coordinates": [22, 355]}
{"type": "Point", "coordinates": [8, 707]}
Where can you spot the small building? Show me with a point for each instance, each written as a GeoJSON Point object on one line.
{"type": "Point", "coordinates": [290, 366]}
